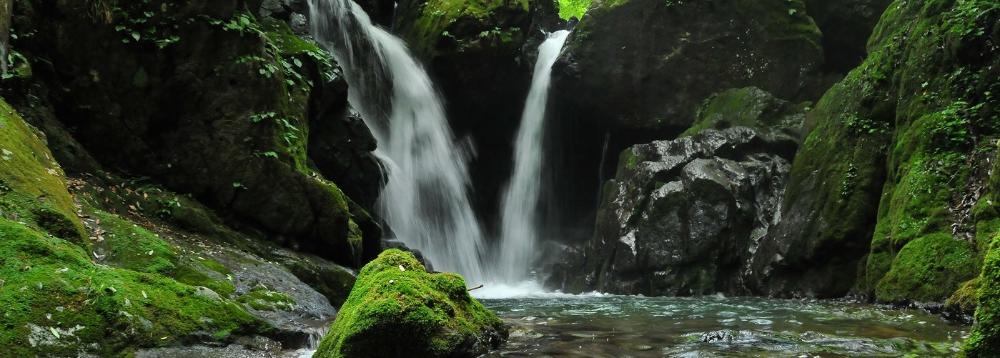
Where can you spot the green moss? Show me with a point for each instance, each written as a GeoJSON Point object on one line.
{"type": "Point", "coordinates": [36, 190]}
{"type": "Point", "coordinates": [966, 298]}
{"type": "Point", "coordinates": [747, 107]}
{"type": "Point", "coordinates": [984, 341]}
{"type": "Point", "coordinates": [433, 18]}
{"type": "Point", "coordinates": [928, 269]}
{"type": "Point", "coordinates": [396, 307]}
{"type": "Point", "coordinates": [192, 273]}
{"type": "Point", "coordinates": [129, 246]}
{"type": "Point", "coordinates": [891, 148]}
{"type": "Point", "coordinates": [627, 160]}
{"type": "Point", "coordinates": [56, 302]}
{"type": "Point", "coordinates": [262, 299]}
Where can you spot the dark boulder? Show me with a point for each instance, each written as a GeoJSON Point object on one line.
{"type": "Point", "coordinates": [683, 217]}
{"type": "Point", "coordinates": [645, 64]}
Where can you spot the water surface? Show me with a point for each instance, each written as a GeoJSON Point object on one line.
{"type": "Point", "coordinates": [629, 326]}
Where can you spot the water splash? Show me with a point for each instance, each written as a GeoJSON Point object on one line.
{"type": "Point", "coordinates": [519, 221]}
{"type": "Point", "coordinates": [425, 201]}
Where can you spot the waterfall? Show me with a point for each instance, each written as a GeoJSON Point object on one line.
{"type": "Point", "coordinates": [425, 202]}
{"type": "Point", "coordinates": [519, 221]}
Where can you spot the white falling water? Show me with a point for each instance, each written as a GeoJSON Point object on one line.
{"type": "Point", "coordinates": [425, 201]}
{"type": "Point", "coordinates": [519, 225]}
{"type": "Point", "coordinates": [3, 56]}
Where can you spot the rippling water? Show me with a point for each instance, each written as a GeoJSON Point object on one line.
{"type": "Point", "coordinates": [620, 326]}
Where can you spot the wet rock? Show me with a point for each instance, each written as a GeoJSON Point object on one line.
{"type": "Point", "coordinates": [206, 293]}
{"type": "Point", "coordinates": [684, 217]}
{"type": "Point", "coordinates": [331, 280]}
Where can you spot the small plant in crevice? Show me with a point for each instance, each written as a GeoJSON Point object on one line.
{"type": "Point", "coordinates": [289, 132]}
{"type": "Point", "coordinates": [145, 22]}
{"type": "Point", "coordinates": [860, 125]}
{"type": "Point", "coordinates": [847, 185]}
{"type": "Point", "coordinates": [950, 128]}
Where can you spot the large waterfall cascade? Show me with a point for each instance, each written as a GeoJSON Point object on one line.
{"type": "Point", "coordinates": [519, 221]}
{"type": "Point", "coordinates": [425, 201]}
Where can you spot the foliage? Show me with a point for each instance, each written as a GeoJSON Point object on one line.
{"type": "Point", "coordinates": [570, 9]}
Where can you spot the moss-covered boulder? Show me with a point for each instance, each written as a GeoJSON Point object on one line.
{"type": "Point", "coordinates": [895, 164]}
{"type": "Point", "coordinates": [205, 98]}
{"type": "Point", "coordinates": [398, 309]}
{"type": "Point", "coordinates": [984, 341]}
{"type": "Point", "coordinates": [32, 186]}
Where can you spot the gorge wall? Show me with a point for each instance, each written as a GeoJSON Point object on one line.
{"type": "Point", "coordinates": [886, 198]}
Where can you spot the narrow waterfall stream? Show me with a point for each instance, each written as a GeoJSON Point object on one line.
{"type": "Point", "coordinates": [519, 230]}
{"type": "Point", "coordinates": [425, 201]}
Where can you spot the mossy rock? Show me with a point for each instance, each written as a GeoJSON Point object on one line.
{"type": "Point", "coordinates": [32, 184]}
{"type": "Point", "coordinates": [891, 153]}
{"type": "Point", "coordinates": [262, 299]}
{"type": "Point", "coordinates": [964, 300]}
{"type": "Point", "coordinates": [928, 269]}
{"type": "Point", "coordinates": [984, 341]}
{"type": "Point", "coordinates": [58, 303]}
{"type": "Point", "coordinates": [748, 107]}
{"type": "Point", "coordinates": [430, 26]}
{"type": "Point", "coordinates": [398, 309]}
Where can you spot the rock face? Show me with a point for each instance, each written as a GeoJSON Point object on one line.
{"type": "Point", "coordinates": [341, 146]}
{"type": "Point", "coordinates": [683, 217]}
{"type": "Point", "coordinates": [645, 64]}
{"type": "Point", "coordinates": [217, 106]}
{"type": "Point", "coordinates": [891, 175]}
{"type": "Point", "coordinates": [985, 338]}
{"type": "Point", "coordinates": [398, 309]}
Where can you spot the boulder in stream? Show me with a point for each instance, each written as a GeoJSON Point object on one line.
{"type": "Point", "coordinates": [398, 309]}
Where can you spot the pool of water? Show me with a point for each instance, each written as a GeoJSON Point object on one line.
{"type": "Point", "coordinates": [629, 326]}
